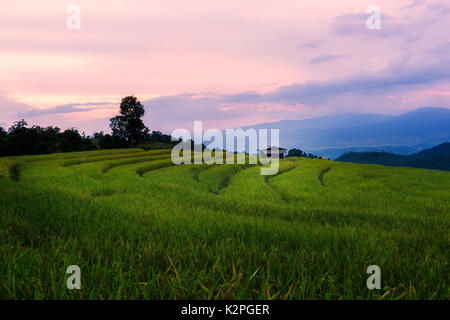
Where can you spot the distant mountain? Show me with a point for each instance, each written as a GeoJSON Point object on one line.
{"type": "Point", "coordinates": [334, 153]}
{"type": "Point", "coordinates": [327, 122]}
{"type": "Point", "coordinates": [437, 157]}
{"type": "Point", "coordinates": [406, 133]}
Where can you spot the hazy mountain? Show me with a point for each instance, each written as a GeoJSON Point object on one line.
{"type": "Point", "coordinates": [405, 133]}
{"type": "Point", "coordinates": [437, 157]}
{"type": "Point", "coordinates": [327, 122]}
{"type": "Point", "coordinates": [334, 153]}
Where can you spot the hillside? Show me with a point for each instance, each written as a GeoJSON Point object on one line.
{"type": "Point", "coordinates": [437, 157]}
{"type": "Point", "coordinates": [141, 228]}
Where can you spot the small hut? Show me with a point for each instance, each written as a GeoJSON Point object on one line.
{"type": "Point", "coordinates": [273, 152]}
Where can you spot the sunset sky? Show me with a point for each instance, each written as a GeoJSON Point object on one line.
{"type": "Point", "coordinates": [228, 63]}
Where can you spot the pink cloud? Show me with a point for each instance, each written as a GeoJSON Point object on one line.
{"type": "Point", "coordinates": [214, 49]}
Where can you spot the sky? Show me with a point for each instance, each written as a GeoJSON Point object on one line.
{"type": "Point", "coordinates": [228, 63]}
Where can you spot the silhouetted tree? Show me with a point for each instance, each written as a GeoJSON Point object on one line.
{"type": "Point", "coordinates": [45, 140]}
{"type": "Point", "coordinates": [111, 142]}
{"type": "Point", "coordinates": [107, 141]}
{"type": "Point", "coordinates": [98, 135]}
{"type": "Point", "coordinates": [158, 136]}
{"type": "Point", "coordinates": [18, 126]}
{"type": "Point", "coordinates": [35, 140]}
{"type": "Point", "coordinates": [3, 133]}
{"type": "Point", "coordinates": [70, 140]}
{"type": "Point", "coordinates": [19, 139]}
{"type": "Point", "coordinates": [3, 140]}
{"type": "Point", "coordinates": [87, 143]}
{"type": "Point", "coordinates": [296, 153]}
{"type": "Point", "coordinates": [129, 125]}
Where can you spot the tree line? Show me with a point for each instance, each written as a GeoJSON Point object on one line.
{"type": "Point", "coordinates": [128, 130]}
{"type": "Point", "coordinates": [299, 153]}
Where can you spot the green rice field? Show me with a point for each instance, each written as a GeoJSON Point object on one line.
{"type": "Point", "coordinates": [141, 228]}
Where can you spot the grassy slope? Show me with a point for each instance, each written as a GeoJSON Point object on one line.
{"type": "Point", "coordinates": [437, 158]}
{"type": "Point", "coordinates": [141, 228]}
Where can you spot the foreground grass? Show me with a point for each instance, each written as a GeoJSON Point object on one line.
{"type": "Point", "coordinates": [139, 227]}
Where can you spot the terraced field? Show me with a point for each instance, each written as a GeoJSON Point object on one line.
{"type": "Point", "coordinates": [142, 228]}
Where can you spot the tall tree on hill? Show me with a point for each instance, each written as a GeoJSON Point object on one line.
{"type": "Point", "coordinates": [129, 125]}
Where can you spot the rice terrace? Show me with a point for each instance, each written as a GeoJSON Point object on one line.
{"type": "Point", "coordinates": [140, 227]}
{"type": "Point", "coordinates": [224, 159]}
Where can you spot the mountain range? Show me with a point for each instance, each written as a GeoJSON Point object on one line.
{"type": "Point", "coordinates": [335, 135]}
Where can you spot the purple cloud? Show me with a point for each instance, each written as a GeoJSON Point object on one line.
{"type": "Point", "coordinates": [326, 58]}
{"type": "Point", "coordinates": [65, 108]}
